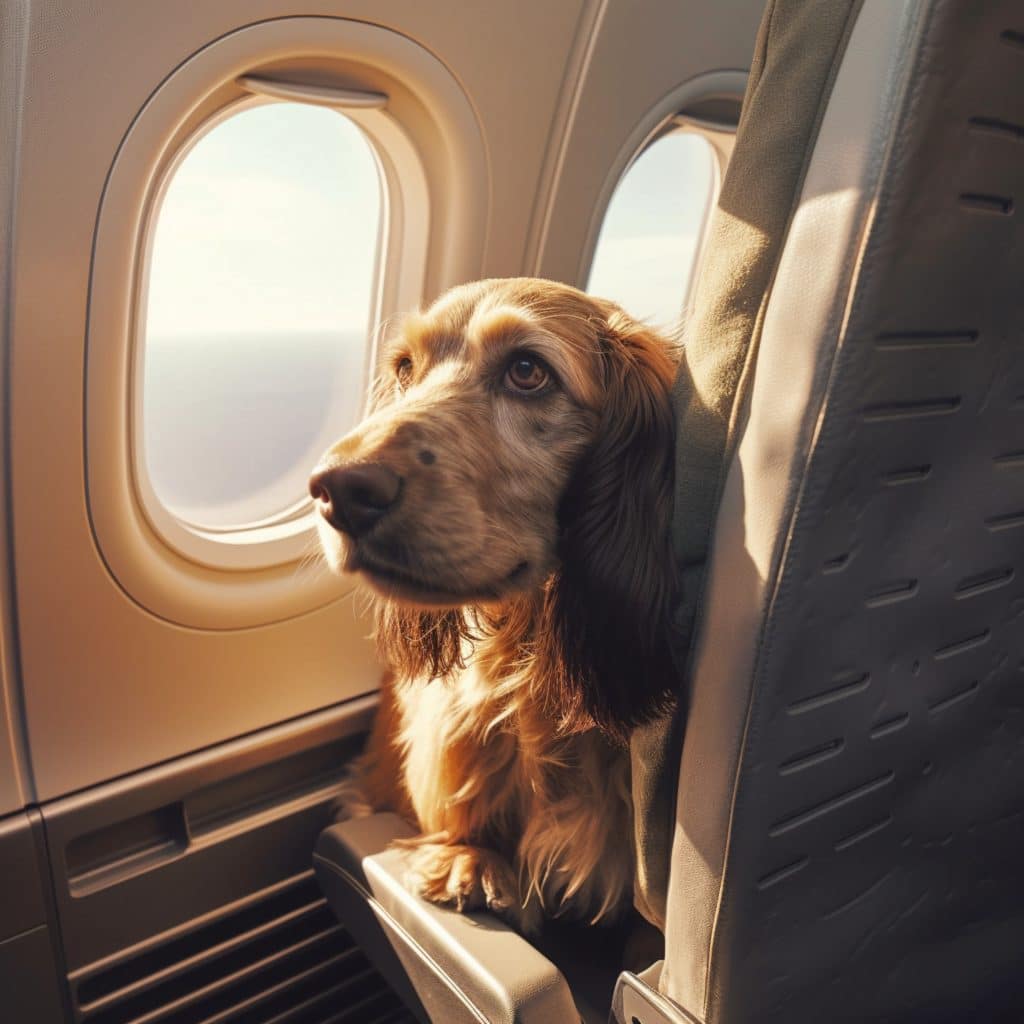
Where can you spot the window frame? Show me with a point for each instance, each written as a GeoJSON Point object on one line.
{"type": "Point", "coordinates": [721, 141]}
{"type": "Point", "coordinates": [283, 536]}
{"type": "Point", "coordinates": [709, 106]}
{"type": "Point", "coordinates": [434, 165]}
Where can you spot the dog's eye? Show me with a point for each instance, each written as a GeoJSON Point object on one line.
{"type": "Point", "coordinates": [525, 373]}
{"type": "Point", "coordinates": [403, 371]}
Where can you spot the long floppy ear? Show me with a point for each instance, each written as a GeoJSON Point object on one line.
{"type": "Point", "coordinates": [606, 641]}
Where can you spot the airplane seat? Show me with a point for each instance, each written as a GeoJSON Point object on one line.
{"type": "Point", "coordinates": [849, 831]}
{"type": "Point", "coordinates": [841, 836]}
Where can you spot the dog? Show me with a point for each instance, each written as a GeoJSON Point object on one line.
{"type": "Point", "coordinates": [507, 499]}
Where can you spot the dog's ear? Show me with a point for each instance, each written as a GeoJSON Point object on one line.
{"type": "Point", "coordinates": [420, 642]}
{"type": "Point", "coordinates": [605, 641]}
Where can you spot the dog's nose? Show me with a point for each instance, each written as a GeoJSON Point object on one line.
{"type": "Point", "coordinates": [355, 498]}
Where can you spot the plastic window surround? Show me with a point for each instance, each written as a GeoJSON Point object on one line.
{"type": "Point", "coordinates": [283, 537]}
{"type": "Point", "coordinates": [435, 176]}
{"type": "Point", "coordinates": [707, 105]}
{"type": "Point", "coordinates": [720, 141]}
{"type": "Point", "coordinates": [721, 138]}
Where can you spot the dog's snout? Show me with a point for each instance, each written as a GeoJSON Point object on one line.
{"type": "Point", "coordinates": [353, 499]}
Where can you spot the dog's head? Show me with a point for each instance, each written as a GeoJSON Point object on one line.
{"type": "Point", "coordinates": [519, 446]}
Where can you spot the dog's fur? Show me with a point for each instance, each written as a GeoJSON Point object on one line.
{"type": "Point", "coordinates": [523, 583]}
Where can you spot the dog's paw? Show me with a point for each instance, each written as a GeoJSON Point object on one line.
{"type": "Point", "coordinates": [471, 878]}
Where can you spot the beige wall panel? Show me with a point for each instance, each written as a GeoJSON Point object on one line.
{"type": "Point", "coordinates": [107, 687]}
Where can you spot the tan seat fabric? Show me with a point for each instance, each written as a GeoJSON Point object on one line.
{"type": "Point", "coordinates": [796, 55]}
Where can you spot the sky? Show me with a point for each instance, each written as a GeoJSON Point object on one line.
{"type": "Point", "coordinates": [646, 246]}
{"type": "Point", "coordinates": [269, 224]}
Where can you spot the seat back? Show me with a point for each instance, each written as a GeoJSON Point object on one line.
{"type": "Point", "coordinates": [849, 837]}
{"type": "Point", "coordinates": [788, 88]}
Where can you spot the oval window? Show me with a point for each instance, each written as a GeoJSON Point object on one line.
{"type": "Point", "coordinates": [651, 233]}
{"type": "Point", "coordinates": [257, 313]}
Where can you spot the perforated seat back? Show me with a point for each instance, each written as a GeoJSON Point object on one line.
{"type": "Point", "coordinates": [850, 834]}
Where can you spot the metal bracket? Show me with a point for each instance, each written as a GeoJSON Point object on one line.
{"type": "Point", "coordinates": [638, 1001]}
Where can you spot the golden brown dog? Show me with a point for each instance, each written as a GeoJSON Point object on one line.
{"type": "Point", "coordinates": [508, 501]}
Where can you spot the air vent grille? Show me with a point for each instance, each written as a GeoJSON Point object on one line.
{"type": "Point", "coordinates": [277, 957]}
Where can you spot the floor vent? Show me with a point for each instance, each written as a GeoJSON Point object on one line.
{"type": "Point", "coordinates": [278, 957]}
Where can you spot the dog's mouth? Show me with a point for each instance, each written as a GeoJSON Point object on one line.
{"type": "Point", "coordinates": [402, 584]}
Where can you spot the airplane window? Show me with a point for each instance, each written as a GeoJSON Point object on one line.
{"type": "Point", "coordinates": [651, 232]}
{"type": "Point", "coordinates": [261, 282]}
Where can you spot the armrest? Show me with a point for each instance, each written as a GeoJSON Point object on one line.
{"type": "Point", "coordinates": [447, 966]}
